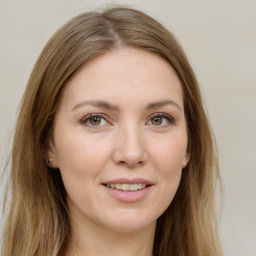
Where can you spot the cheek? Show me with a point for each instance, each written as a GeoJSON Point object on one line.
{"type": "Point", "coordinates": [167, 158]}
{"type": "Point", "coordinates": [79, 155]}
{"type": "Point", "coordinates": [168, 155]}
{"type": "Point", "coordinates": [81, 159]}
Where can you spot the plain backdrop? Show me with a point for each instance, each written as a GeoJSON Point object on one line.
{"type": "Point", "coordinates": [219, 38]}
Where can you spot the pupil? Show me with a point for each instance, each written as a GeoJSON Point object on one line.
{"type": "Point", "coordinates": [157, 120]}
{"type": "Point", "coordinates": [95, 120]}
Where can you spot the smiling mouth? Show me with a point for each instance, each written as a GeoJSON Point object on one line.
{"type": "Point", "coordinates": [127, 187]}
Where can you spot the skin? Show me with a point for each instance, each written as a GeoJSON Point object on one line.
{"type": "Point", "coordinates": [132, 140]}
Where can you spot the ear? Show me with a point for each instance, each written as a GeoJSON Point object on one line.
{"type": "Point", "coordinates": [186, 160]}
{"type": "Point", "coordinates": [51, 155]}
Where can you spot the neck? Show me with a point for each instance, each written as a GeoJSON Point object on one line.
{"type": "Point", "coordinates": [93, 240]}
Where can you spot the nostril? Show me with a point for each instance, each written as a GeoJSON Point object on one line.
{"type": "Point", "coordinates": [129, 157]}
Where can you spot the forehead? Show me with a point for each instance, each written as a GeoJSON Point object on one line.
{"type": "Point", "coordinates": [124, 75]}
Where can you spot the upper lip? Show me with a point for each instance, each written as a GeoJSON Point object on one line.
{"type": "Point", "coordinates": [128, 181]}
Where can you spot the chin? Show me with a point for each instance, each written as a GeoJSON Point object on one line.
{"type": "Point", "coordinates": [126, 222]}
{"type": "Point", "coordinates": [131, 227]}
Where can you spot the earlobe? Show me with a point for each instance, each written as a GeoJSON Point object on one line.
{"type": "Point", "coordinates": [50, 163]}
{"type": "Point", "coordinates": [185, 160]}
{"type": "Point", "coordinates": [51, 155]}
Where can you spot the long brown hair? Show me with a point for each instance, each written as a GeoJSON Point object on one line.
{"type": "Point", "coordinates": [38, 222]}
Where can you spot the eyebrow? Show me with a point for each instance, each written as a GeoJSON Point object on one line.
{"type": "Point", "coordinates": [95, 103]}
{"type": "Point", "coordinates": [163, 103]}
{"type": "Point", "coordinates": [106, 105]}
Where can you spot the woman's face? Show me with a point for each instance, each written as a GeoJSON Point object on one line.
{"type": "Point", "coordinates": [120, 140]}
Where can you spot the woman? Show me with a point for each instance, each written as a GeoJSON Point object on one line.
{"type": "Point", "coordinates": [113, 153]}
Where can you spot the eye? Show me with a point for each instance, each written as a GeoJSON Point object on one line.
{"type": "Point", "coordinates": [157, 120]}
{"type": "Point", "coordinates": [94, 120]}
{"type": "Point", "coordinates": [162, 120]}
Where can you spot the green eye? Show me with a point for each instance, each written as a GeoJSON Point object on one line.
{"type": "Point", "coordinates": [157, 120]}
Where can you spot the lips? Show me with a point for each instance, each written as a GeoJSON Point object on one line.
{"type": "Point", "coordinates": [127, 187]}
{"type": "Point", "coordinates": [128, 190]}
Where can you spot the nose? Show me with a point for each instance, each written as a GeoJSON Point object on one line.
{"type": "Point", "coordinates": [130, 148]}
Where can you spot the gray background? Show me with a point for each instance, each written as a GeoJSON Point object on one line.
{"type": "Point", "coordinates": [219, 38]}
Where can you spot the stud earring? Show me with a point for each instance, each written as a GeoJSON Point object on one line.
{"type": "Point", "coordinates": [184, 164]}
{"type": "Point", "coordinates": [50, 163]}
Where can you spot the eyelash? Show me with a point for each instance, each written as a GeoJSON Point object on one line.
{"type": "Point", "coordinates": [85, 120]}
{"type": "Point", "coordinates": [169, 119]}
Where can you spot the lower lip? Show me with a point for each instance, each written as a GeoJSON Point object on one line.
{"type": "Point", "coordinates": [128, 196]}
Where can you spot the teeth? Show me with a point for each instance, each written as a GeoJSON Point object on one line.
{"type": "Point", "coordinates": [127, 187]}
{"type": "Point", "coordinates": [134, 187]}
{"type": "Point", "coordinates": [118, 186]}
